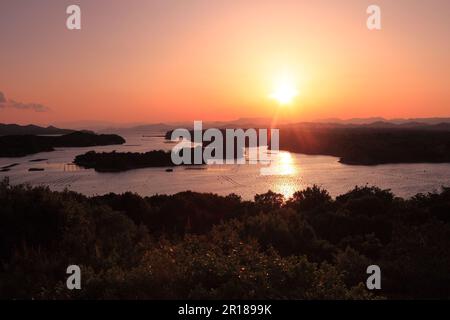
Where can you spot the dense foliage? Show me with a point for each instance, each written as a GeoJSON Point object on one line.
{"type": "Point", "coordinates": [192, 245]}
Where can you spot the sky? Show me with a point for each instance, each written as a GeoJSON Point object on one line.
{"type": "Point", "coordinates": [182, 60]}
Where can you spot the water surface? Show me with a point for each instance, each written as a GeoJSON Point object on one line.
{"type": "Point", "coordinates": [290, 172]}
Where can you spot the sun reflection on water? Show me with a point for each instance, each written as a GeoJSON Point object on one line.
{"type": "Point", "coordinates": [286, 188]}
{"type": "Point", "coordinates": [285, 171]}
{"type": "Point", "coordinates": [285, 164]}
{"type": "Point", "coordinates": [282, 164]}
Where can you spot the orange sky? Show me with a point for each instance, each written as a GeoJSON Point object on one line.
{"type": "Point", "coordinates": [152, 61]}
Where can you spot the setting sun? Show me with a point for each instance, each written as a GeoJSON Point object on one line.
{"type": "Point", "coordinates": [285, 91]}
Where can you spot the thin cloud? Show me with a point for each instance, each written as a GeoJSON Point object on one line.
{"type": "Point", "coordinates": [5, 103]}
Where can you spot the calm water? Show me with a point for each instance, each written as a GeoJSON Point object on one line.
{"type": "Point", "coordinates": [291, 172]}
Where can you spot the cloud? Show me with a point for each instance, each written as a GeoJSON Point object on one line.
{"type": "Point", "coordinates": [4, 103]}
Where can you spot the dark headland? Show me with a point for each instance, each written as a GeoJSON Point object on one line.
{"type": "Point", "coordinates": [368, 144]}
{"type": "Point", "coordinates": [365, 145]}
{"type": "Point", "coordinates": [16, 129]}
{"type": "Point", "coordinates": [22, 145]}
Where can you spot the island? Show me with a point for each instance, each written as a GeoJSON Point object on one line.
{"type": "Point", "coordinates": [12, 146]}
{"type": "Point", "coordinates": [124, 161]}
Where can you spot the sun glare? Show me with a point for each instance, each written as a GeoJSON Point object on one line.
{"type": "Point", "coordinates": [285, 90]}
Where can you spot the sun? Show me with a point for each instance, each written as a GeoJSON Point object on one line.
{"type": "Point", "coordinates": [284, 91]}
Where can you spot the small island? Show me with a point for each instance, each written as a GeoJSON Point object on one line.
{"type": "Point", "coordinates": [8, 167]}
{"type": "Point", "coordinates": [123, 161]}
{"type": "Point", "coordinates": [22, 145]}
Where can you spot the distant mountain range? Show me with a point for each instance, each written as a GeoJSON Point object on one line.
{"type": "Point", "coordinates": [15, 129]}
{"type": "Point", "coordinates": [423, 123]}
{"type": "Point", "coordinates": [441, 126]}
{"type": "Point", "coordinates": [255, 122]}
{"type": "Point", "coordinates": [360, 121]}
{"type": "Point", "coordinates": [143, 129]}
{"type": "Point", "coordinates": [161, 128]}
